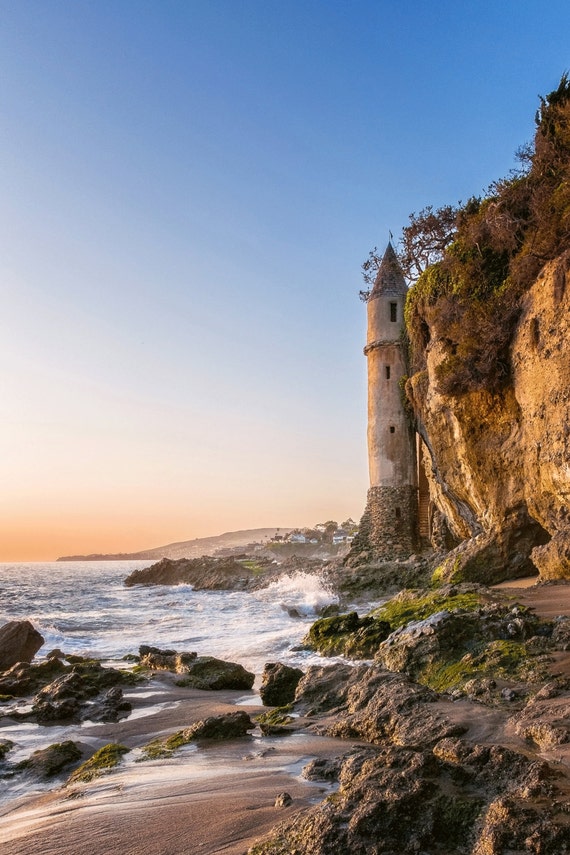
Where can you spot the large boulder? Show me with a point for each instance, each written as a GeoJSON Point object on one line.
{"type": "Point", "coordinates": [278, 684]}
{"type": "Point", "coordinates": [19, 642]}
{"type": "Point", "coordinates": [226, 726]}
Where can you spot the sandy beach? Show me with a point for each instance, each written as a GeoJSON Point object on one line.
{"type": "Point", "coordinates": [212, 797]}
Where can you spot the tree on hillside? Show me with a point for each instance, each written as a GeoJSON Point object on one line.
{"type": "Point", "coordinates": [329, 529]}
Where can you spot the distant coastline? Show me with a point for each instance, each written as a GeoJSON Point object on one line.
{"type": "Point", "coordinates": [189, 548]}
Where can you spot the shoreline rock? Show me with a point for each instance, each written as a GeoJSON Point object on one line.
{"type": "Point", "coordinates": [198, 672]}
{"type": "Point", "coordinates": [19, 642]}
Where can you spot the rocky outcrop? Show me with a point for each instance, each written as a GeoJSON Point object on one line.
{"type": "Point", "coordinates": [73, 691]}
{"type": "Point", "coordinates": [199, 672]}
{"type": "Point", "coordinates": [457, 638]}
{"type": "Point", "coordinates": [498, 453]}
{"type": "Point", "coordinates": [19, 642]}
{"type": "Point", "coordinates": [476, 771]}
{"type": "Point", "coordinates": [456, 797]}
{"type": "Point", "coordinates": [368, 702]}
{"type": "Point", "coordinates": [421, 784]}
{"type": "Point", "coordinates": [209, 574]}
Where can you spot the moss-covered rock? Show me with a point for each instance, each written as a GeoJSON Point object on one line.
{"type": "Point", "coordinates": [226, 726]}
{"type": "Point", "coordinates": [159, 749]}
{"type": "Point", "coordinates": [450, 638]}
{"type": "Point", "coordinates": [348, 635]}
{"type": "Point", "coordinates": [276, 722]}
{"type": "Point", "coordinates": [411, 606]}
{"type": "Point", "coordinates": [105, 759]}
{"type": "Point", "coordinates": [360, 637]}
{"type": "Point", "coordinates": [450, 649]}
{"type": "Point", "coordinates": [50, 761]}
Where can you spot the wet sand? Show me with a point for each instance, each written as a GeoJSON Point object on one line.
{"type": "Point", "coordinates": [208, 798]}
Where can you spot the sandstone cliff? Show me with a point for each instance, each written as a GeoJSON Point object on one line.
{"type": "Point", "coordinates": [488, 321]}
{"type": "Point", "coordinates": [499, 453]}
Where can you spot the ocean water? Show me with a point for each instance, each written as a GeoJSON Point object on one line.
{"type": "Point", "coordinates": [83, 607]}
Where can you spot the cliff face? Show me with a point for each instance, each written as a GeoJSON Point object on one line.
{"type": "Point", "coordinates": [499, 452]}
{"type": "Point", "coordinates": [541, 371]}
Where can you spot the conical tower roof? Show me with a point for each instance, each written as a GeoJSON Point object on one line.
{"type": "Point", "coordinates": [389, 279]}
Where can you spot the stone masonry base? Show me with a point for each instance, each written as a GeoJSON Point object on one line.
{"type": "Point", "coordinates": [392, 521]}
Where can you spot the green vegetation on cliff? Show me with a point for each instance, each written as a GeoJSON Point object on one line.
{"type": "Point", "coordinates": [475, 261]}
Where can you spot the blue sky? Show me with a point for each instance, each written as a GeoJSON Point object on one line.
{"type": "Point", "coordinates": [188, 191]}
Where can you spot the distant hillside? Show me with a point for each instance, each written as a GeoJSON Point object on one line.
{"type": "Point", "coordinates": [189, 548]}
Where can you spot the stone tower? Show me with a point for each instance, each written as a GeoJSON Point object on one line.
{"type": "Point", "coordinates": [392, 506]}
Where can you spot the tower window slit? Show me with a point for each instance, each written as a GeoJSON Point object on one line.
{"type": "Point", "coordinates": [392, 429]}
{"type": "Point", "coordinates": [393, 312]}
{"type": "Point", "coordinates": [387, 372]}
{"type": "Point", "coordinates": [398, 513]}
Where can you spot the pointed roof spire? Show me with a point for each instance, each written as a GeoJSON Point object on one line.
{"type": "Point", "coordinates": [389, 279]}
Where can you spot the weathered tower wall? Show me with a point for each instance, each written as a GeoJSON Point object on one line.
{"type": "Point", "coordinates": [392, 506]}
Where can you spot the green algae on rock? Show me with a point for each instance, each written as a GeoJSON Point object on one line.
{"type": "Point", "coordinates": [159, 749]}
{"type": "Point", "coordinates": [360, 638]}
{"type": "Point", "coordinates": [349, 635]}
{"type": "Point", "coordinates": [226, 726]}
{"type": "Point", "coordinates": [444, 639]}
